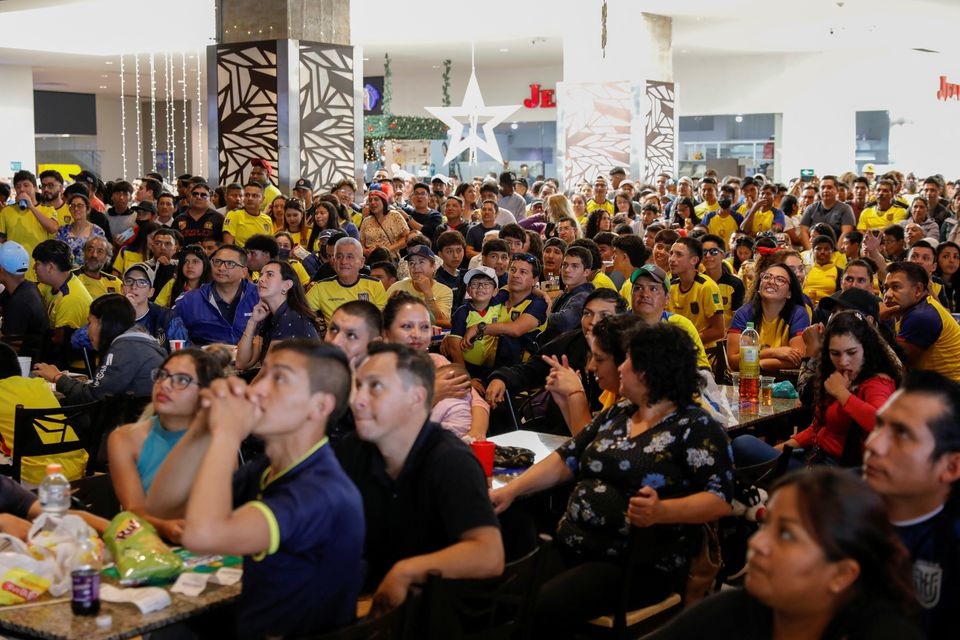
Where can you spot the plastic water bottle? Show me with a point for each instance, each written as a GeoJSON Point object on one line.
{"type": "Point", "coordinates": [749, 368]}
{"type": "Point", "coordinates": [55, 491]}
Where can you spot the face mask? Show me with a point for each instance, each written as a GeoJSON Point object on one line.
{"type": "Point", "coordinates": [725, 203]}
{"type": "Point", "coordinates": [284, 254]}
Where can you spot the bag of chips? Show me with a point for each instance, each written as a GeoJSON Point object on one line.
{"type": "Point", "coordinates": [23, 578]}
{"type": "Point", "coordinates": [141, 557]}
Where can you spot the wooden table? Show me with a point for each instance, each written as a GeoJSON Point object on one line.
{"type": "Point", "coordinates": [57, 622]}
{"type": "Point", "coordinates": [785, 413]}
{"type": "Point", "coordinates": [542, 445]}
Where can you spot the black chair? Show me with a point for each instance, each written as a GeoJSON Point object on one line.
{"type": "Point", "coordinates": [28, 346]}
{"type": "Point", "coordinates": [117, 410]}
{"type": "Point", "coordinates": [717, 355]}
{"type": "Point", "coordinates": [490, 609]}
{"type": "Point", "coordinates": [95, 494]}
{"type": "Point", "coordinates": [394, 625]}
{"type": "Point", "coordinates": [624, 621]}
{"type": "Point", "coordinates": [54, 423]}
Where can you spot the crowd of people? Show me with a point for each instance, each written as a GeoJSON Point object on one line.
{"type": "Point", "coordinates": [363, 333]}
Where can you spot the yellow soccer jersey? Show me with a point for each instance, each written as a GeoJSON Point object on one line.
{"type": "Point", "coordinates": [96, 287]}
{"type": "Point", "coordinates": [69, 306]}
{"type": "Point", "coordinates": [871, 219]}
{"type": "Point", "coordinates": [484, 350]}
{"type": "Point", "coordinates": [603, 281]}
{"type": "Point", "coordinates": [686, 325]}
{"type": "Point", "coordinates": [698, 304]}
{"type": "Point", "coordinates": [242, 226]}
{"type": "Point", "coordinates": [441, 292]}
{"type": "Point", "coordinates": [821, 281]}
{"type": "Point", "coordinates": [941, 349]}
{"type": "Point", "coordinates": [328, 295]}
{"type": "Point", "coordinates": [704, 208]}
{"type": "Point", "coordinates": [723, 226]}
{"type": "Point", "coordinates": [593, 205]}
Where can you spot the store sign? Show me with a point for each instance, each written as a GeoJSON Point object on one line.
{"type": "Point", "coordinates": [948, 90]}
{"type": "Point", "coordinates": [542, 98]}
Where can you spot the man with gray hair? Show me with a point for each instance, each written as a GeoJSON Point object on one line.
{"type": "Point", "coordinates": [349, 284]}
{"type": "Point", "coordinates": [97, 254]}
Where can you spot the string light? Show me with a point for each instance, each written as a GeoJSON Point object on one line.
{"type": "Point", "coordinates": [172, 120]}
{"type": "Point", "coordinates": [139, 136]}
{"type": "Point", "coordinates": [123, 125]}
{"type": "Point", "coordinates": [153, 112]}
{"type": "Point", "coordinates": [199, 118]}
{"type": "Point", "coordinates": [183, 64]}
{"type": "Point", "coordinates": [166, 112]}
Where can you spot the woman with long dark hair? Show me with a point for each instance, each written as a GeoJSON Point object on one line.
{"type": "Point", "coordinates": [128, 354]}
{"type": "Point", "coordinates": [138, 449]}
{"type": "Point", "coordinates": [857, 372]}
{"type": "Point", "coordinates": [282, 313]}
{"type": "Point", "coordinates": [948, 270]}
{"type": "Point", "coordinates": [685, 214]}
{"type": "Point", "coordinates": [826, 564]}
{"type": "Point", "coordinates": [294, 221]}
{"type": "Point", "coordinates": [325, 216]}
{"type": "Point", "coordinates": [598, 220]}
{"type": "Point", "coordinates": [346, 217]}
{"type": "Point", "coordinates": [778, 313]}
{"type": "Point", "coordinates": [192, 271]}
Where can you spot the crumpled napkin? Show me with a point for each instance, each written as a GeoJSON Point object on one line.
{"type": "Point", "coordinates": [784, 389]}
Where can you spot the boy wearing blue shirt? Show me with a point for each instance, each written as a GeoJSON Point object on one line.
{"type": "Point", "coordinates": [293, 514]}
{"type": "Point", "coordinates": [478, 355]}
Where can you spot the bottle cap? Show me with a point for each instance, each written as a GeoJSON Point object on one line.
{"type": "Point", "coordinates": [749, 325]}
{"type": "Point", "coordinates": [105, 620]}
{"type": "Point", "coordinates": [54, 467]}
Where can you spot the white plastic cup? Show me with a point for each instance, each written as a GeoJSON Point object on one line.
{"type": "Point", "coordinates": [25, 366]}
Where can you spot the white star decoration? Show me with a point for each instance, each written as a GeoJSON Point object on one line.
{"type": "Point", "coordinates": [473, 109]}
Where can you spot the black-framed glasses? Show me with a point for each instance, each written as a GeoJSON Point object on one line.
{"type": "Point", "coordinates": [200, 194]}
{"type": "Point", "coordinates": [139, 283]}
{"type": "Point", "coordinates": [229, 264]}
{"type": "Point", "coordinates": [484, 285]}
{"type": "Point", "coordinates": [177, 380]}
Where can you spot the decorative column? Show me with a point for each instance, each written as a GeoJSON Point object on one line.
{"type": "Point", "coordinates": [284, 85]}
{"type": "Point", "coordinates": [617, 101]}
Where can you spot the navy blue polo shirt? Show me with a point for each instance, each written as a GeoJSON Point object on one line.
{"type": "Point", "coordinates": [309, 579]}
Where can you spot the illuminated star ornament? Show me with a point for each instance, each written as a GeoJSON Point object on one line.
{"type": "Point", "coordinates": [473, 109]}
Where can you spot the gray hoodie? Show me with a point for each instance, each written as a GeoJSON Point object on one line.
{"type": "Point", "coordinates": [125, 368]}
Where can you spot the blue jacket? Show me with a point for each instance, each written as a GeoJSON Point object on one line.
{"type": "Point", "coordinates": [203, 319]}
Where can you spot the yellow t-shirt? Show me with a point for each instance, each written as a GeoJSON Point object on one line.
{"type": "Point", "coordinates": [603, 281]}
{"type": "Point", "coordinates": [722, 226]}
{"type": "Point", "coordinates": [34, 393]}
{"type": "Point", "coordinates": [686, 325]}
{"type": "Point", "coordinates": [69, 306]}
{"type": "Point", "coordinates": [63, 214]}
{"type": "Point", "coordinates": [698, 304]}
{"type": "Point", "coordinates": [163, 298]}
{"type": "Point", "coordinates": [242, 226]}
{"type": "Point", "coordinates": [270, 193]}
{"type": "Point", "coordinates": [704, 208]}
{"type": "Point", "coordinates": [23, 228]}
{"type": "Point", "coordinates": [441, 292]}
{"type": "Point", "coordinates": [328, 295]}
{"type": "Point", "coordinates": [762, 221]}
{"type": "Point", "coordinates": [943, 355]}
{"type": "Point", "coordinates": [126, 259]}
{"type": "Point", "coordinates": [626, 292]}
{"type": "Point", "coordinates": [484, 350]}
{"type": "Point", "coordinates": [96, 287]}
{"type": "Point", "coordinates": [593, 205]}
{"type": "Point", "coordinates": [871, 219]}
{"type": "Point", "coordinates": [821, 281]}
{"type": "Point", "coordinates": [298, 269]}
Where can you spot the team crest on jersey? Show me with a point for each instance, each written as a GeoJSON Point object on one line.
{"type": "Point", "coordinates": [716, 298]}
{"type": "Point", "coordinates": [694, 308]}
{"type": "Point", "coordinates": [208, 225]}
{"type": "Point", "coordinates": [927, 582]}
{"type": "Point", "coordinates": [363, 296]}
{"type": "Point", "coordinates": [514, 315]}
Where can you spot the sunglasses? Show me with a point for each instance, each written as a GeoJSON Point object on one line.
{"type": "Point", "coordinates": [200, 194]}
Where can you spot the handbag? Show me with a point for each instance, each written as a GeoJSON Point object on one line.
{"type": "Point", "coordinates": [704, 566]}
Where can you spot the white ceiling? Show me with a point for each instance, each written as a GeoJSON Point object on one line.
{"type": "Point", "coordinates": [75, 45]}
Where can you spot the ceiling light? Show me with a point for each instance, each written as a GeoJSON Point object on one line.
{"type": "Point", "coordinates": [108, 62]}
{"type": "Point", "coordinates": [514, 126]}
{"type": "Point", "coordinates": [504, 50]}
{"type": "Point", "coordinates": [103, 86]}
{"type": "Point", "coordinates": [739, 119]}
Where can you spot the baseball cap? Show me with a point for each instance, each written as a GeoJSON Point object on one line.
{"type": "Point", "coordinates": [618, 171]}
{"type": "Point", "coordinates": [260, 162]}
{"type": "Point", "coordinates": [869, 168]}
{"type": "Point", "coordinates": [856, 299]}
{"type": "Point", "coordinates": [480, 271]}
{"type": "Point", "coordinates": [145, 268]}
{"type": "Point", "coordinates": [303, 183]}
{"type": "Point", "coordinates": [146, 206]}
{"type": "Point", "coordinates": [327, 234]}
{"type": "Point", "coordinates": [440, 178]}
{"type": "Point", "coordinates": [653, 272]}
{"type": "Point", "coordinates": [85, 176]}
{"type": "Point", "coordinates": [423, 251]}
{"type": "Point", "coordinates": [14, 258]}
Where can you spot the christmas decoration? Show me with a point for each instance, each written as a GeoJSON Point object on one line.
{"type": "Point", "coordinates": [445, 87]}
{"type": "Point", "coordinates": [603, 28]}
{"type": "Point", "coordinates": [390, 127]}
{"type": "Point", "coordinates": [387, 84]}
{"type": "Point", "coordinates": [473, 109]}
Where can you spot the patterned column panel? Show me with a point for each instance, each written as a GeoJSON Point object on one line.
{"type": "Point", "coordinates": [660, 142]}
{"type": "Point", "coordinates": [327, 122]}
{"type": "Point", "coordinates": [246, 108]}
{"type": "Point", "coordinates": [594, 129]}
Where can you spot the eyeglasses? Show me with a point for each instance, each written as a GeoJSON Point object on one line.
{"type": "Point", "coordinates": [229, 264]}
{"type": "Point", "coordinates": [480, 286]}
{"type": "Point", "coordinates": [177, 380]}
{"type": "Point", "coordinates": [780, 281]}
{"type": "Point", "coordinates": [77, 205]}
{"type": "Point", "coordinates": [203, 195]}
{"type": "Point", "coordinates": [713, 252]}
{"type": "Point", "coordinates": [139, 283]}
{"type": "Point", "coordinates": [165, 243]}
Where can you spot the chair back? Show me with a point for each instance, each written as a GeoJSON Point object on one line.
{"type": "Point", "coordinates": [489, 609]}
{"type": "Point", "coordinates": [55, 424]}
{"type": "Point", "coordinates": [396, 624]}
{"type": "Point", "coordinates": [117, 410]}
{"type": "Point", "coordinates": [95, 495]}
{"type": "Point", "coordinates": [717, 355]}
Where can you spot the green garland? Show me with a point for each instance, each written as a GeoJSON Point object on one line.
{"type": "Point", "coordinates": [445, 87]}
{"type": "Point", "coordinates": [387, 84]}
{"type": "Point", "coordinates": [391, 127]}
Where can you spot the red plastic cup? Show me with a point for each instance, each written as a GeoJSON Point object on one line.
{"type": "Point", "coordinates": [484, 449]}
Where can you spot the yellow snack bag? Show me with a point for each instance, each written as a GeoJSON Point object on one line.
{"type": "Point", "coordinates": [19, 585]}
